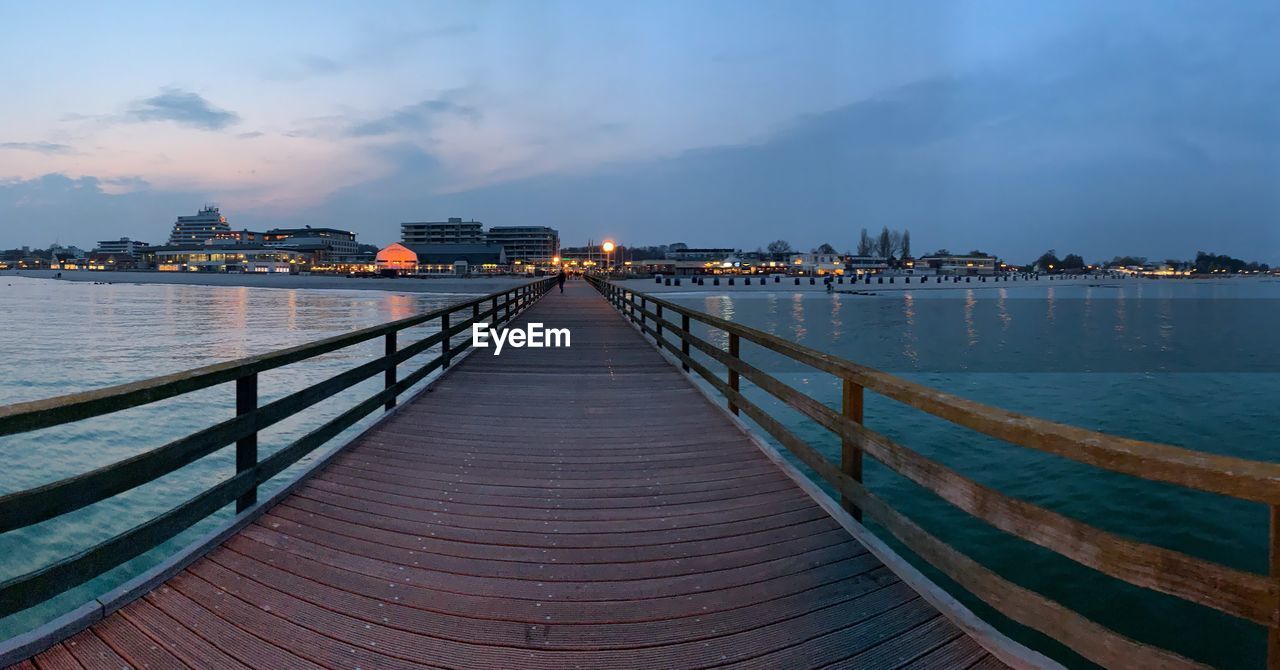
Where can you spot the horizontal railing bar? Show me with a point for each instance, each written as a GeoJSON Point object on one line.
{"type": "Point", "coordinates": [33, 588]}
{"type": "Point", "coordinates": [1225, 475]}
{"type": "Point", "coordinates": [37, 414]}
{"type": "Point", "coordinates": [25, 508]}
{"type": "Point", "coordinates": [1239, 593]}
{"type": "Point", "coordinates": [1087, 638]}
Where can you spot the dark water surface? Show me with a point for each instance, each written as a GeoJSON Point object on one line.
{"type": "Point", "coordinates": [1192, 364]}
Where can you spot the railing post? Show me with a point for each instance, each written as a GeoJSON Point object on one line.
{"type": "Point", "coordinates": [850, 452]}
{"type": "Point", "coordinates": [247, 446]}
{"type": "Point", "coordinates": [1273, 559]}
{"type": "Point", "coordinates": [684, 340]}
{"type": "Point", "coordinates": [644, 321]}
{"type": "Point", "coordinates": [733, 374]}
{"type": "Point", "coordinates": [389, 377]}
{"type": "Point", "coordinates": [444, 340]}
{"type": "Point", "coordinates": [493, 313]}
{"type": "Point", "coordinates": [657, 323]}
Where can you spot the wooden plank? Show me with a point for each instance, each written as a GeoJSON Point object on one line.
{"type": "Point", "coordinates": [92, 653]}
{"type": "Point", "coordinates": [57, 657]}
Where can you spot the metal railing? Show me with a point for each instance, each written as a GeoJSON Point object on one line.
{"type": "Point", "coordinates": [1239, 593]}
{"type": "Point", "coordinates": [31, 506]}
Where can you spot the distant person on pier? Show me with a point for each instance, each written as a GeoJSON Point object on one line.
{"type": "Point", "coordinates": [560, 280]}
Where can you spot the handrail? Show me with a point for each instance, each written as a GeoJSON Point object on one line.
{"type": "Point", "coordinates": [48, 501]}
{"type": "Point", "coordinates": [1240, 593]}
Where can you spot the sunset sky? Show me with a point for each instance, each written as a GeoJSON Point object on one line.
{"type": "Point", "coordinates": [1099, 128]}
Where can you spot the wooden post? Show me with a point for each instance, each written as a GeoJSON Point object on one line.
{"type": "Point", "coordinates": [1273, 562]}
{"type": "Point", "coordinates": [247, 447]}
{"type": "Point", "coordinates": [389, 377]}
{"type": "Point", "coordinates": [684, 339]}
{"type": "Point", "coordinates": [644, 304]}
{"type": "Point", "coordinates": [444, 340]}
{"type": "Point", "coordinates": [850, 453]}
{"type": "Point", "coordinates": [733, 374]}
{"type": "Point", "coordinates": [493, 313]}
{"type": "Point", "coordinates": [657, 333]}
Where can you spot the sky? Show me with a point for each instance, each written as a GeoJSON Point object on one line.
{"type": "Point", "coordinates": [1099, 128]}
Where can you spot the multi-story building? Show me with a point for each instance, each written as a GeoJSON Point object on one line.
{"type": "Point", "coordinates": [123, 246]}
{"type": "Point", "coordinates": [959, 265]}
{"type": "Point", "coordinates": [339, 243]}
{"type": "Point", "coordinates": [699, 254]}
{"type": "Point", "coordinates": [453, 231]}
{"type": "Point", "coordinates": [198, 229]}
{"type": "Point", "coordinates": [527, 244]}
{"type": "Point", "coordinates": [229, 258]}
{"type": "Point", "coordinates": [236, 237]}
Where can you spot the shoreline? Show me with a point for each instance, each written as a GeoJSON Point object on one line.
{"type": "Point", "coordinates": [442, 285]}
{"type": "Point", "coordinates": [788, 285]}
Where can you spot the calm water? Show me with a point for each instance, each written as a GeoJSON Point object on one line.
{"type": "Point", "coordinates": [1184, 363]}
{"type": "Point", "coordinates": [61, 337]}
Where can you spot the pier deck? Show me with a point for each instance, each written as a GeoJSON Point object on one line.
{"type": "Point", "coordinates": [546, 508]}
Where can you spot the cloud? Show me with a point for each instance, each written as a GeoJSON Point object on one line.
{"type": "Point", "coordinates": [38, 147]}
{"type": "Point", "coordinates": [182, 107]}
{"type": "Point", "coordinates": [303, 67]}
{"type": "Point", "coordinates": [250, 135]}
{"type": "Point", "coordinates": [416, 117]}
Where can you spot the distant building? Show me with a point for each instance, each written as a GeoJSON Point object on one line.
{"type": "Point", "coordinates": [490, 256]}
{"type": "Point", "coordinates": [110, 260]}
{"type": "Point", "coordinates": [237, 237]}
{"type": "Point", "coordinates": [198, 229]}
{"type": "Point", "coordinates": [440, 258]}
{"type": "Point", "coordinates": [698, 254]}
{"type": "Point", "coordinates": [527, 244]}
{"type": "Point", "coordinates": [338, 243]}
{"type": "Point", "coordinates": [248, 258]}
{"type": "Point", "coordinates": [453, 231]}
{"type": "Point", "coordinates": [865, 264]}
{"type": "Point", "coordinates": [123, 245]}
{"type": "Point", "coordinates": [816, 263]}
{"type": "Point", "coordinates": [959, 265]}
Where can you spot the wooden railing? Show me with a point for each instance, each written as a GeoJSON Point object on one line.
{"type": "Point", "coordinates": [31, 506]}
{"type": "Point", "coordinates": [1239, 593]}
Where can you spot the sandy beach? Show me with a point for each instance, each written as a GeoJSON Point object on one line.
{"type": "Point", "coordinates": [481, 285]}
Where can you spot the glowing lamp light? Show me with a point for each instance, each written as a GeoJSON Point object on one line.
{"type": "Point", "coordinates": [607, 247]}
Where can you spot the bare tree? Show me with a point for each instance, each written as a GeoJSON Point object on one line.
{"type": "Point", "coordinates": [906, 243]}
{"type": "Point", "coordinates": [779, 248]}
{"type": "Point", "coordinates": [865, 245]}
{"type": "Point", "coordinates": [826, 248]}
{"type": "Point", "coordinates": [884, 243]}
{"type": "Point", "coordinates": [895, 243]}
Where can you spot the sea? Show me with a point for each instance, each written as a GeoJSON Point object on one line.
{"type": "Point", "coordinates": [1187, 363]}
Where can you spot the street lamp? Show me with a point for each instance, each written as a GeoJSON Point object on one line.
{"type": "Point", "coordinates": [607, 248]}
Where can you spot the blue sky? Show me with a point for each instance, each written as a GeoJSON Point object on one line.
{"type": "Point", "coordinates": [1098, 128]}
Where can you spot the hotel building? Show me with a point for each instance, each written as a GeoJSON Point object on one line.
{"type": "Point", "coordinates": [527, 244]}
{"type": "Point", "coordinates": [198, 229]}
{"type": "Point", "coordinates": [122, 246]}
{"type": "Point", "coordinates": [453, 231]}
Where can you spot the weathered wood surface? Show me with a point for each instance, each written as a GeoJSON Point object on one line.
{"type": "Point", "coordinates": [546, 508]}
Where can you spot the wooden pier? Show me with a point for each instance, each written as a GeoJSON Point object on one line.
{"type": "Point", "coordinates": [578, 507]}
